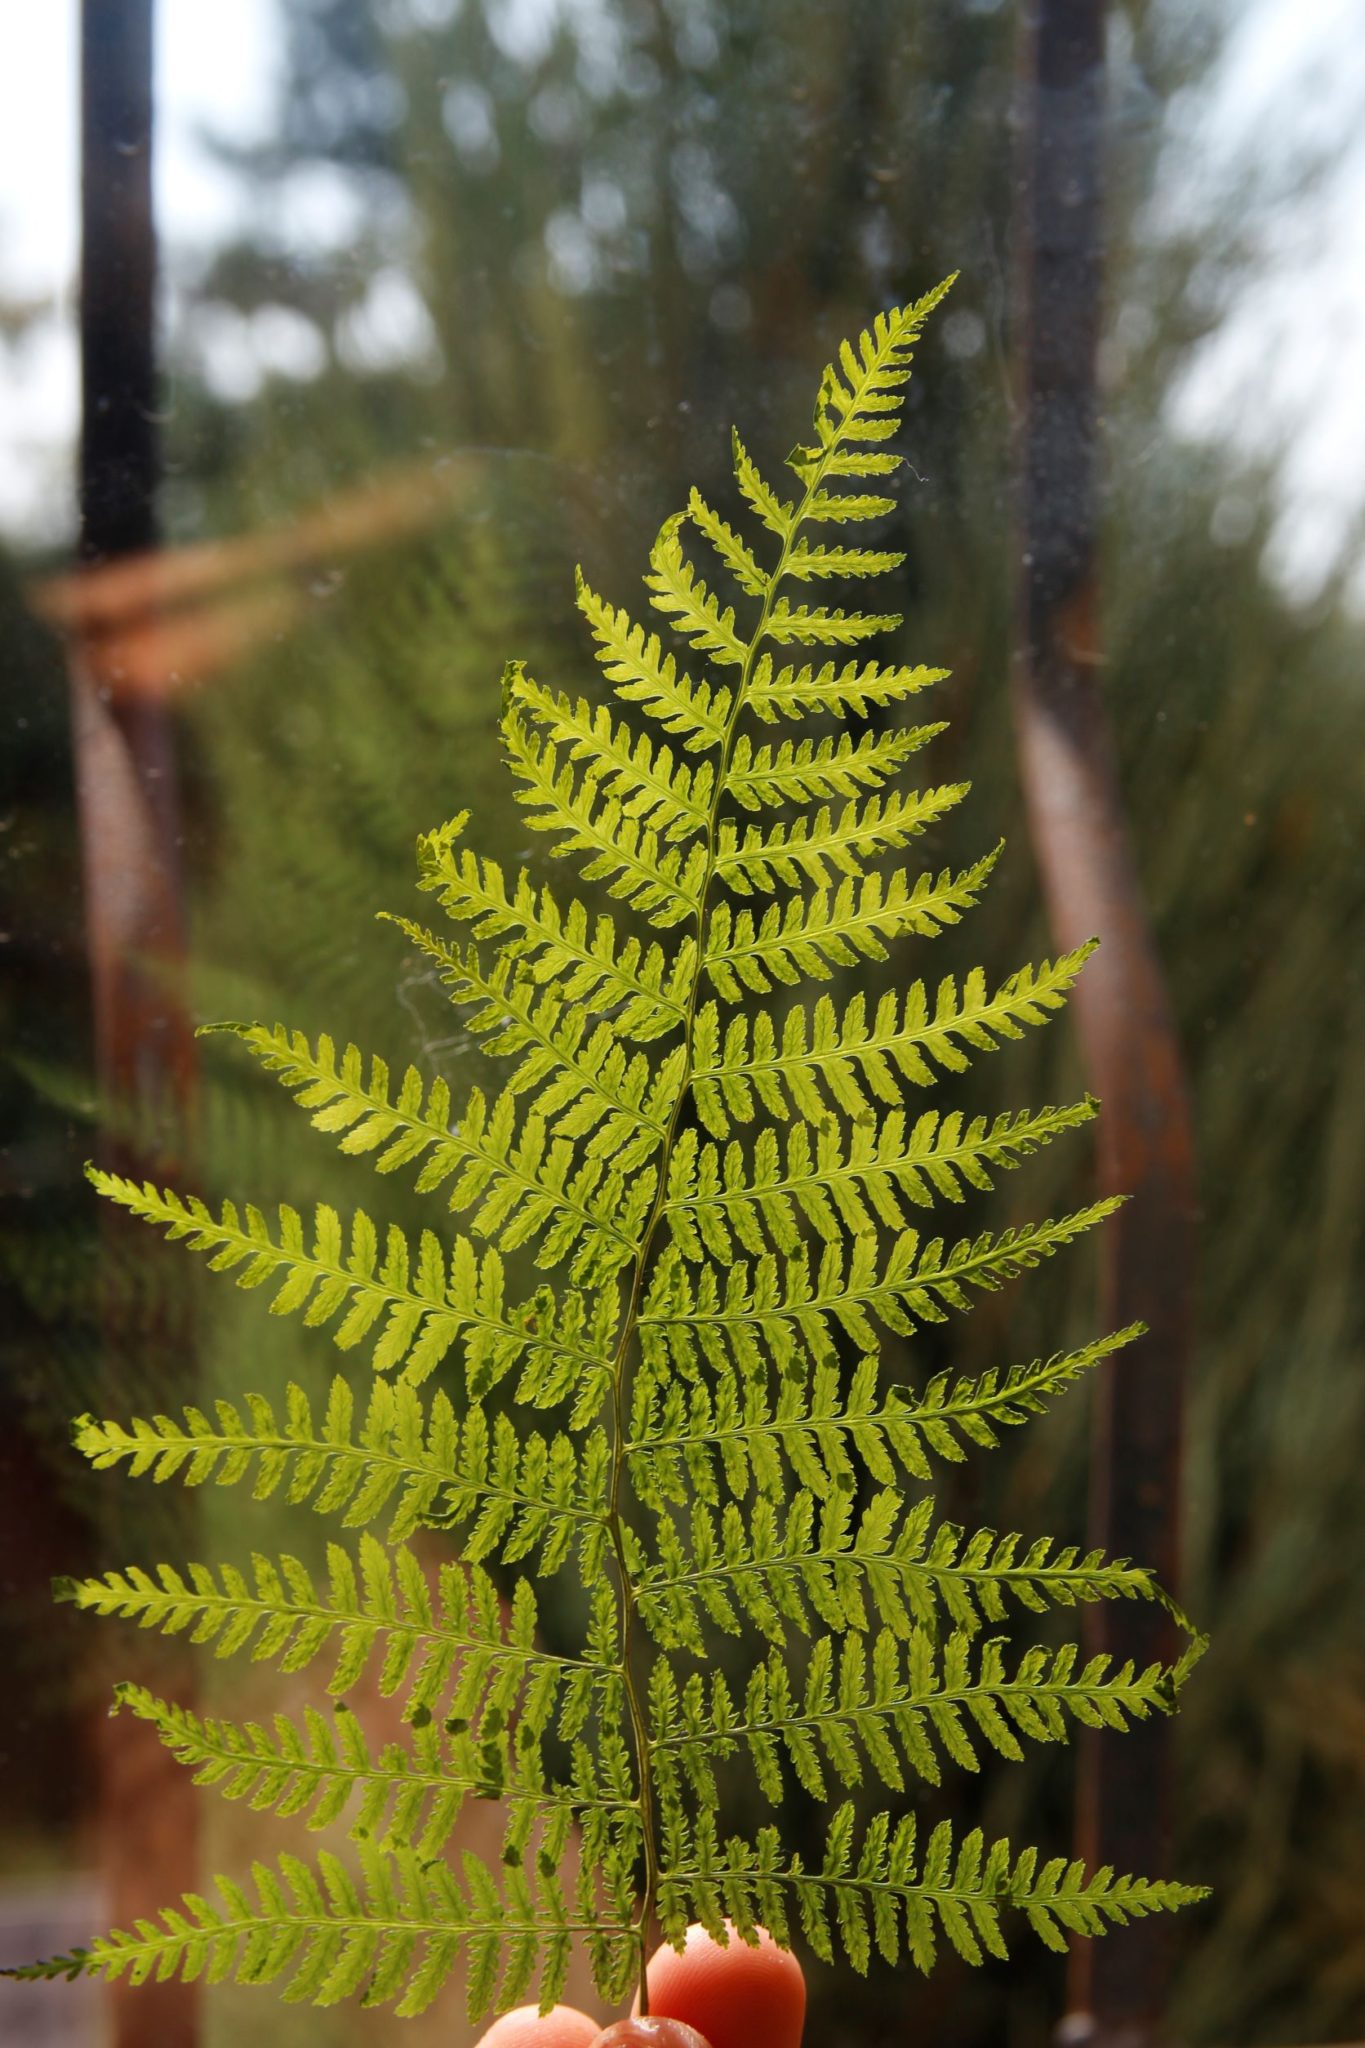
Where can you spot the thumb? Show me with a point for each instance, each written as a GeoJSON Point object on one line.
{"type": "Point", "coordinates": [650, 2033]}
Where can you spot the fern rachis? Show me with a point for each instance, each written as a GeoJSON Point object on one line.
{"type": "Point", "coordinates": [724, 1200]}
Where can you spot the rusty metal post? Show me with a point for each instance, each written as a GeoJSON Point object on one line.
{"type": "Point", "coordinates": [1118, 1986]}
{"type": "Point", "coordinates": [130, 834]}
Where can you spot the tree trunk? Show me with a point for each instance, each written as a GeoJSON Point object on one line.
{"type": "Point", "coordinates": [1118, 1986]}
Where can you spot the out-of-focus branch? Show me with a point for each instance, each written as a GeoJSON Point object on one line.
{"type": "Point", "coordinates": [151, 623]}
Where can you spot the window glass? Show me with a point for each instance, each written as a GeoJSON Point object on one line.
{"type": "Point", "coordinates": [455, 295]}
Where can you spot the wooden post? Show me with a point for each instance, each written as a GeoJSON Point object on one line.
{"type": "Point", "coordinates": [1118, 1986]}
{"type": "Point", "coordinates": [130, 834]}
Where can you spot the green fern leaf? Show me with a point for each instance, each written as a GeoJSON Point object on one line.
{"type": "Point", "coordinates": [776, 1310]}
{"type": "Point", "coordinates": [842, 508]}
{"type": "Point", "coordinates": [415, 1308]}
{"type": "Point", "coordinates": [448, 1649]}
{"type": "Point", "coordinates": [517, 1180]}
{"type": "Point", "coordinates": [895, 1709]}
{"type": "Point", "coordinates": [797, 693]}
{"type": "Point", "coordinates": [638, 866]}
{"type": "Point", "coordinates": [732, 549]}
{"type": "Point", "coordinates": [724, 1197]}
{"type": "Point", "coordinates": [811, 936]}
{"type": "Point", "coordinates": [763, 500]}
{"type": "Point", "coordinates": [679, 593]}
{"type": "Point", "coordinates": [956, 1889]}
{"type": "Point", "coordinates": [650, 786]}
{"type": "Point", "coordinates": [510, 1494]}
{"type": "Point", "coordinates": [408, 1796]}
{"type": "Point", "coordinates": [692, 1438]}
{"type": "Point", "coordinates": [819, 848]}
{"type": "Point", "coordinates": [645, 674]}
{"type": "Point", "coordinates": [834, 767]}
{"type": "Point", "coordinates": [641, 990]}
{"type": "Point", "coordinates": [392, 1938]}
{"type": "Point", "coordinates": [823, 1562]}
{"type": "Point", "coordinates": [823, 1059]}
{"type": "Point", "coordinates": [835, 1184]}
{"type": "Point", "coordinates": [588, 1081]}
{"type": "Point", "coordinates": [805, 625]}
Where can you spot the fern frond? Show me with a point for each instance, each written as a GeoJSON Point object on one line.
{"type": "Point", "coordinates": [841, 508]}
{"type": "Point", "coordinates": [673, 797]}
{"type": "Point", "coordinates": [689, 1438]}
{"type": "Point", "coordinates": [517, 1180]}
{"type": "Point", "coordinates": [449, 1650]}
{"type": "Point", "coordinates": [799, 692]}
{"type": "Point", "coordinates": [775, 1312]}
{"type": "Point", "coordinates": [640, 989]}
{"type": "Point", "coordinates": [802, 625]}
{"type": "Point", "coordinates": [644, 674]}
{"type": "Point", "coordinates": [805, 771]}
{"type": "Point", "coordinates": [733, 550]}
{"type": "Point", "coordinates": [401, 1449]}
{"type": "Point", "coordinates": [951, 1409]}
{"type": "Point", "coordinates": [822, 1059]}
{"type": "Point", "coordinates": [661, 879]}
{"type": "Point", "coordinates": [840, 1184]}
{"type": "Point", "coordinates": [817, 849]}
{"type": "Point", "coordinates": [776, 515]}
{"type": "Point", "coordinates": [889, 1894]}
{"type": "Point", "coordinates": [416, 1308]}
{"type": "Point", "coordinates": [894, 1708]}
{"type": "Point", "coordinates": [409, 1795]}
{"type": "Point", "coordinates": [813, 935]}
{"type": "Point", "coordinates": [586, 1083]}
{"type": "Point", "coordinates": [859, 401]}
{"type": "Point", "coordinates": [784, 1567]}
{"type": "Point", "coordinates": [718, 1466]}
{"type": "Point", "coordinates": [676, 590]}
{"type": "Point", "coordinates": [811, 563]}
{"type": "Point", "coordinates": [396, 1935]}
{"type": "Point", "coordinates": [363, 1112]}
{"type": "Point", "coordinates": [512, 1495]}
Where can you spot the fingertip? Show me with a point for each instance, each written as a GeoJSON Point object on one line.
{"type": "Point", "coordinates": [737, 1996]}
{"type": "Point", "coordinates": [528, 2027]}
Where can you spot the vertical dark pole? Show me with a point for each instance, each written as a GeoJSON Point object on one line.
{"type": "Point", "coordinates": [125, 746]}
{"type": "Point", "coordinates": [1118, 1986]}
{"type": "Point", "coordinates": [126, 791]}
{"type": "Point", "coordinates": [119, 455]}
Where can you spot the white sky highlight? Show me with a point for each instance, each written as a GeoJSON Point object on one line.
{"type": "Point", "coordinates": [214, 66]}
{"type": "Point", "coordinates": [1283, 380]}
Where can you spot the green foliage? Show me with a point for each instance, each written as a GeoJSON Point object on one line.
{"type": "Point", "coordinates": [725, 1198]}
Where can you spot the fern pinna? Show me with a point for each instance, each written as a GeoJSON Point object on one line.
{"type": "Point", "coordinates": [724, 1182]}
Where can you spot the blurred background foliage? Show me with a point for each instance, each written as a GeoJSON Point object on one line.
{"type": "Point", "coordinates": [572, 246]}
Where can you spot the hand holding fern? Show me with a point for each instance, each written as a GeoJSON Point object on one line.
{"type": "Point", "coordinates": [707, 1997]}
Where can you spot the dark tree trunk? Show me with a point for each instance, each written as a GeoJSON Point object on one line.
{"type": "Point", "coordinates": [1076, 816]}
{"type": "Point", "coordinates": [130, 831]}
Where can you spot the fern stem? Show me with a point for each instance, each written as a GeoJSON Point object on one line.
{"type": "Point", "coordinates": [620, 1432]}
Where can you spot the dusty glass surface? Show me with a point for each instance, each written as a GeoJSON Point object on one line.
{"type": "Point", "coordinates": [456, 295]}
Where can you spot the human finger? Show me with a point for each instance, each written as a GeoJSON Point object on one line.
{"type": "Point", "coordinates": [704, 1997]}
{"type": "Point", "coordinates": [528, 2027]}
{"type": "Point", "coordinates": [566, 2027]}
{"type": "Point", "coordinates": [737, 1996]}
